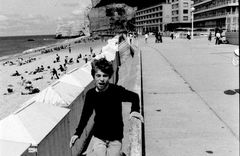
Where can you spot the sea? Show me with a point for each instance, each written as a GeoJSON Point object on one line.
{"type": "Point", "coordinates": [15, 45]}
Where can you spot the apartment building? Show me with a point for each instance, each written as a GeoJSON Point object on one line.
{"type": "Point", "coordinates": [169, 15]}
{"type": "Point", "coordinates": [223, 14]}
{"type": "Point", "coordinates": [181, 13]}
{"type": "Point", "coordinates": [153, 18]}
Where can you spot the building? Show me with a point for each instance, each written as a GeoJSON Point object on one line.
{"type": "Point", "coordinates": [153, 18]}
{"type": "Point", "coordinates": [164, 16]}
{"type": "Point", "coordinates": [181, 14]}
{"type": "Point", "coordinates": [216, 14]}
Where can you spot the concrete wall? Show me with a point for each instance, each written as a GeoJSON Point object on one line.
{"type": "Point", "coordinates": [232, 37]}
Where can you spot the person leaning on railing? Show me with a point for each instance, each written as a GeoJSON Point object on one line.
{"type": "Point", "coordinates": [106, 100]}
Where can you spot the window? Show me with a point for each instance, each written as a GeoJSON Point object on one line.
{"type": "Point", "coordinates": [185, 4]}
{"type": "Point", "coordinates": [185, 11]}
{"type": "Point", "coordinates": [175, 12]}
{"type": "Point", "coordinates": [234, 19]}
{"type": "Point", "coordinates": [185, 18]}
{"type": "Point", "coordinates": [174, 19]}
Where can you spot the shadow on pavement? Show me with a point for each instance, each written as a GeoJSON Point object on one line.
{"type": "Point", "coordinates": [231, 92]}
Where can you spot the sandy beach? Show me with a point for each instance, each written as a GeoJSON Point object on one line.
{"type": "Point", "coordinates": [10, 102]}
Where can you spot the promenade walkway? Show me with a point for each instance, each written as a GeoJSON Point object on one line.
{"type": "Point", "coordinates": [186, 110]}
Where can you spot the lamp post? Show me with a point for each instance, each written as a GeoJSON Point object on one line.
{"type": "Point", "coordinates": [192, 9]}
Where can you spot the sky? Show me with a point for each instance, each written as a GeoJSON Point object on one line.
{"type": "Point", "coordinates": [39, 17]}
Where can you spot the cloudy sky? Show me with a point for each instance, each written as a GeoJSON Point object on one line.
{"type": "Point", "coordinates": [36, 17]}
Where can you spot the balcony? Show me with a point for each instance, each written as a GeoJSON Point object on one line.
{"type": "Point", "coordinates": [215, 6]}
{"type": "Point", "coordinates": [150, 13]}
{"type": "Point", "coordinates": [211, 17]}
{"type": "Point", "coordinates": [200, 2]}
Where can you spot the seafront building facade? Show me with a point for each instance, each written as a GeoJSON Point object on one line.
{"type": "Point", "coordinates": [181, 13]}
{"type": "Point", "coordinates": [222, 14]}
{"type": "Point", "coordinates": [168, 15]}
{"type": "Point", "coordinates": [218, 15]}
{"type": "Point", "coordinates": [153, 18]}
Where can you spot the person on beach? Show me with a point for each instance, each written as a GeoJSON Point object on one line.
{"type": "Point", "coordinates": [85, 58]}
{"type": "Point", "coordinates": [54, 73]}
{"type": "Point", "coordinates": [91, 50]}
{"type": "Point", "coordinates": [61, 68]}
{"type": "Point", "coordinates": [57, 58]}
{"type": "Point", "coordinates": [9, 91]}
{"type": "Point", "coordinates": [79, 56]}
{"type": "Point", "coordinates": [66, 60]}
{"type": "Point", "coordinates": [69, 48]}
{"type": "Point", "coordinates": [16, 73]}
{"type": "Point", "coordinates": [65, 67]}
{"type": "Point", "coordinates": [42, 68]}
{"type": "Point", "coordinates": [23, 81]}
{"type": "Point", "coordinates": [105, 99]}
{"type": "Point", "coordinates": [31, 90]}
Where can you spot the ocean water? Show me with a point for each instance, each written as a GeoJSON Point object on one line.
{"type": "Point", "coordinates": [14, 45]}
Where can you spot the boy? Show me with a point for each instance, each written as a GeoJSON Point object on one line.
{"type": "Point", "coordinates": [106, 100]}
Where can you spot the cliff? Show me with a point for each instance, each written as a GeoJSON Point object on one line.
{"type": "Point", "coordinates": [112, 18]}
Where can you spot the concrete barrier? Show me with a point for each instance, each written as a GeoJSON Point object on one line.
{"type": "Point", "coordinates": [232, 37]}
{"type": "Point", "coordinates": [130, 78]}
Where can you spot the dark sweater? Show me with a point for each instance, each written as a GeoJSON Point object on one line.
{"type": "Point", "coordinates": [108, 121]}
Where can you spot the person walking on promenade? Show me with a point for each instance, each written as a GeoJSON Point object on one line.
{"type": "Point", "coordinates": [146, 37]}
{"type": "Point", "coordinates": [210, 36]}
{"type": "Point", "coordinates": [160, 34]}
{"type": "Point", "coordinates": [172, 35]}
{"type": "Point", "coordinates": [156, 37]}
{"type": "Point", "coordinates": [218, 36]}
{"type": "Point", "coordinates": [188, 35]}
{"type": "Point", "coordinates": [105, 99]}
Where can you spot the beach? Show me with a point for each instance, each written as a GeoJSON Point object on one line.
{"type": "Point", "coordinates": [11, 101]}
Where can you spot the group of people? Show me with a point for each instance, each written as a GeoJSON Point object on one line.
{"type": "Point", "coordinates": [218, 38]}
{"type": "Point", "coordinates": [20, 61]}
{"type": "Point", "coordinates": [37, 70]}
{"type": "Point", "coordinates": [30, 89]}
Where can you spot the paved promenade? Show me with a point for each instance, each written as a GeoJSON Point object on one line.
{"type": "Point", "coordinates": [186, 110]}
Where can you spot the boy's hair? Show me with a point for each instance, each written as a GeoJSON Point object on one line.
{"type": "Point", "coordinates": [103, 65]}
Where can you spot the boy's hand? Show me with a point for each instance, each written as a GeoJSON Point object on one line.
{"type": "Point", "coordinates": [73, 140]}
{"type": "Point", "coordinates": [136, 115]}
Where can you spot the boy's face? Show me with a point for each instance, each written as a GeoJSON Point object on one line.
{"type": "Point", "coordinates": [101, 80]}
